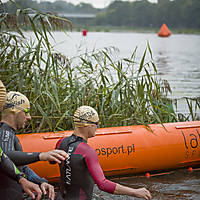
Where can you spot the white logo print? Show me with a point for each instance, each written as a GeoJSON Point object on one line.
{"type": "Point", "coordinates": [68, 168]}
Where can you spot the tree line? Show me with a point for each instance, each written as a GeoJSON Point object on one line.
{"type": "Point", "coordinates": [176, 13]}
{"type": "Point", "coordinates": [139, 13]}
{"type": "Point", "coordinates": [59, 6]}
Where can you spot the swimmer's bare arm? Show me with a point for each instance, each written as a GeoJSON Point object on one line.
{"type": "Point", "coordinates": [140, 192]}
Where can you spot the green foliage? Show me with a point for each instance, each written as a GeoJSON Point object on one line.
{"type": "Point", "coordinates": [123, 92]}
{"type": "Point", "coordinates": [58, 6]}
{"type": "Point", "coordinates": [176, 14]}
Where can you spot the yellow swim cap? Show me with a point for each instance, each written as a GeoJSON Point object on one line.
{"type": "Point", "coordinates": [2, 94]}
{"type": "Point", "coordinates": [85, 116]}
{"type": "Point", "coordinates": [15, 102]}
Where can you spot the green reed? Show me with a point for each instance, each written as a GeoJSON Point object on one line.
{"type": "Point", "coordinates": [124, 92]}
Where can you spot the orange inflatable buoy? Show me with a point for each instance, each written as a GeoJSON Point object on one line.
{"type": "Point", "coordinates": [164, 31]}
{"type": "Point", "coordinates": [128, 149]}
{"type": "Point", "coordinates": [147, 175]}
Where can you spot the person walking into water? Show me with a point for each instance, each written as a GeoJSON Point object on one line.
{"type": "Point", "coordinates": [81, 169]}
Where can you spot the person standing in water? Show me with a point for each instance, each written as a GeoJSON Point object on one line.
{"type": "Point", "coordinates": [81, 170]}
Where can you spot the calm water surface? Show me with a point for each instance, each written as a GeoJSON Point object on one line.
{"type": "Point", "coordinates": [177, 185]}
{"type": "Point", "coordinates": [178, 60]}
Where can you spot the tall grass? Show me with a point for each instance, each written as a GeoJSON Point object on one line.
{"type": "Point", "coordinates": [123, 92]}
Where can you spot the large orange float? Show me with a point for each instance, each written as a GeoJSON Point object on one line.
{"type": "Point", "coordinates": [128, 149]}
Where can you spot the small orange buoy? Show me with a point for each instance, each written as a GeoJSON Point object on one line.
{"type": "Point", "coordinates": [147, 175]}
{"type": "Point", "coordinates": [164, 31]}
{"type": "Point", "coordinates": [190, 169]}
{"type": "Point", "coordinates": [84, 32]}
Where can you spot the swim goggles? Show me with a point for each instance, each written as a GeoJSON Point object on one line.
{"type": "Point", "coordinates": [10, 105]}
{"type": "Point", "coordinates": [85, 121]}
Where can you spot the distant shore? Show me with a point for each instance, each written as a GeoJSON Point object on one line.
{"type": "Point", "coordinates": [134, 29]}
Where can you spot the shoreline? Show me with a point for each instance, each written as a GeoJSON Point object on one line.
{"type": "Point", "coordinates": [134, 29]}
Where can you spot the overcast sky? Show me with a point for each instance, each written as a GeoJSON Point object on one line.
{"type": "Point", "coordinates": [95, 3]}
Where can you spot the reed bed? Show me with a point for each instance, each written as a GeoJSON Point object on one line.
{"type": "Point", "coordinates": [123, 92]}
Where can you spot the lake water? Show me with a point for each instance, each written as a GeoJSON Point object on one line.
{"type": "Point", "coordinates": [176, 185]}
{"type": "Point", "coordinates": [177, 57]}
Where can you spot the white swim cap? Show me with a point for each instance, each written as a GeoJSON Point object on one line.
{"type": "Point", "coordinates": [85, 116]}
{"type": "Point", "coordinates": [2, 94]}
{"type": "Point", "coordinates": [15, 102]}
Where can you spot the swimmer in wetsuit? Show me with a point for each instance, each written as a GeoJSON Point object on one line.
{"type": "Point", "coordinates": [82, 170]}
{"type": "Point", "coordinates": [14, 116]}
{"type": "Point", "coordinates": [9, 168]}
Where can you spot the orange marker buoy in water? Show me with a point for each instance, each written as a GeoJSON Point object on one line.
{"type": "Point", "coordinates": [164, 31]}
{"type": "Point", "coordinates": [190, 169]}
{"type": "Point", "coordinates": [84, 32]}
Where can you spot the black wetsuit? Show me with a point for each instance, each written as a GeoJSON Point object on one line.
{"type": "Point", "coordinates": [10, 144]}
{"type": "Point", "coordinates": [8, 167]}
{"type": "Point", "coordinates": [80, 171]}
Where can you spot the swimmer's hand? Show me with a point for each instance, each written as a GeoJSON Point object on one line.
{"type": "Point", "coordinates": [142, 193]}
{"type": "Point", "coordinates": [47, 188]}
{"type": "Point", "coordinates": [54, 155]}
{"type": "Point", "coordinates": [30, 188]}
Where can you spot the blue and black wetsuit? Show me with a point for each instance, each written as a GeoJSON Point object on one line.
{"type": "Point", "coordinates": [80, 171]}
{"type": "Point", "coordinates": [10, 144]}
